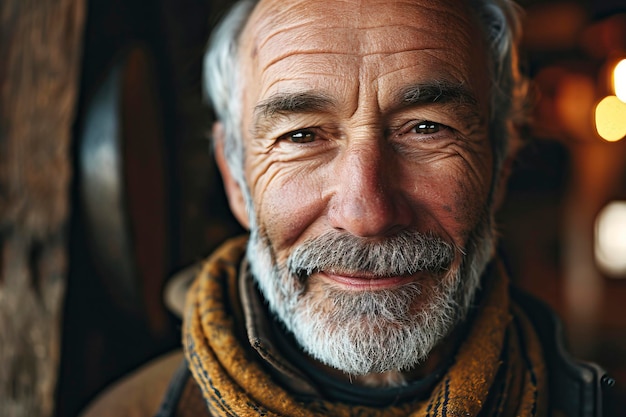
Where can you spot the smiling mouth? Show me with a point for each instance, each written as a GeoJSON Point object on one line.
{"type": "Point", "coordinates": [367, 282]}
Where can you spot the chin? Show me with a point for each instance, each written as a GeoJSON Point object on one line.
{"type": "Point", "coordinates": [385, 331]}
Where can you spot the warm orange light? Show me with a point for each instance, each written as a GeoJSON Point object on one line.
{"type": "Point", "coordinates": [611, 119]}
{"type": "Point", "coordinates": [619, 80]}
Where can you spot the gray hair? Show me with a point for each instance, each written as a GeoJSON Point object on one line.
{"type": "Point", "coordinates": [500, 21]}
{"type": "Point", "coordinates": [222, 86]}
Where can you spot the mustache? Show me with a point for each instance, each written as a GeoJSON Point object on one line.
{"type": "Point", "coordinates": [405, 253]}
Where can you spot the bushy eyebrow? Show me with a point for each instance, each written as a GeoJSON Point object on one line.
{"type": "Point", "coordinates": [303, 102]}
{"type": "Point", "coordinates": [286, 103]}
{"type": "Point", "coordinates": [442, 92]}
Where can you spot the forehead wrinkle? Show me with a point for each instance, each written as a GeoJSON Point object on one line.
{"type": "Point", "coordinates": [356, 42]}
{"type": "Point", "coordinates": [388, 70]}
{"type": "Point", "coordinates": [287, 30]}
{"type": "Point", "coordinates": [300, 82]}
{"type": "Point", "coordinates": [262, 41]}
{"type": "Point", "coordinates": [326, 56]}
{"type": "Point", "coordinates": [273, 41]}
{"type": "Point", "coordinates": [358, 13]}
{"type": "Point", "coordinates": [286, 15]}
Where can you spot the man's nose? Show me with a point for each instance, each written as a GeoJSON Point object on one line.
{"type": "Point", "coordinates": [369, 200]}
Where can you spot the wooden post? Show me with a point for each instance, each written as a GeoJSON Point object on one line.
{"type": "Point", "coordinates": [40, 48]}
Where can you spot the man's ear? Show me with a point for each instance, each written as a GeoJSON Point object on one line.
{"type": "Point", "coordinates": [234, 193]}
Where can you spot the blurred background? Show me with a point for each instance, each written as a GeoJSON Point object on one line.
{"type": "Point", "coordinates": [144, 199]}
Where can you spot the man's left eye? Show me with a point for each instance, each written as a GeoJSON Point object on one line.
{"type": "Point", "coordinates": [299, 136]}
{"type": "Point", "coordinates": [427, 127]}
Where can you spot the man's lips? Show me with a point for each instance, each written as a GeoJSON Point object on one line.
{"type": "Point", "coordinates": [357, 282]}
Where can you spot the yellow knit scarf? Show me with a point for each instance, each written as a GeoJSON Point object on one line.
{"type": "Point", "coordinates": [497, 371]}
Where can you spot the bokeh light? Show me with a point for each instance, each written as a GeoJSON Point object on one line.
{"type": "Point", "coordinates": [619, 80]}
{"type": "Point", "coordinates": [611, 118]}
{"type": "Point", "coordinates": [610, 239]}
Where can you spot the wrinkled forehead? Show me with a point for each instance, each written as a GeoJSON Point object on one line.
{"type": "Point", "coordinates": [315, 44]}
{"type": "Point", "coordinates": [357, 24]}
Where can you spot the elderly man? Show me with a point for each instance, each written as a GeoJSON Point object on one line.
{"type": "Point", "coordinates": [365, 145]}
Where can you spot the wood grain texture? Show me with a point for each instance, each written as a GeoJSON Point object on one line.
{"type": "Point", "coordinates": [39, 76]}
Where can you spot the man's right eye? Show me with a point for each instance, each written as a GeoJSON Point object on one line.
{"type": "Point", "coordinates": [299, 136]}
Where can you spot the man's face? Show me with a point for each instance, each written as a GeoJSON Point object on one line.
{"type": "Point", "coordinates": [365, 124]}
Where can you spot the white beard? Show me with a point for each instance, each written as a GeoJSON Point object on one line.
{"type": "Point", "coordinates": [368, 332]}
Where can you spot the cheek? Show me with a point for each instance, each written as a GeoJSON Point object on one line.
{"type": "Point", "coordinates": [287, 202]}
{"type": "Point", "coordinates": [473, 181]}
{"type": "Point", "coordinates": [470, 203]}
{"type": "Point", "coordinates": [467, 204]}
{"type": "Point", "coordinates": [456, 197]}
